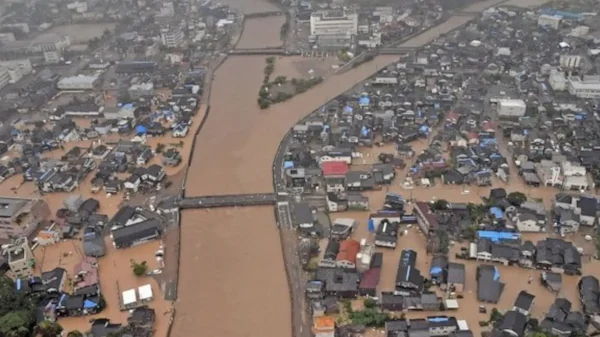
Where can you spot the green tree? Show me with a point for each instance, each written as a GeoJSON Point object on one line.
{"type": "Point", "coordinates": [440, 204]}
{"type": "Point", "coordinates": [495, 316]}
{"type": "Point", "coordinates": [75, 333]}
{"type": "Point", "coordinates": [516, 198]}
{"type": "Point", "coordinates": [49, 329]}
{"type": "Point", "coordinates": [16, 323]}
{"type": "Point", "coordinates": [369, 303]}
{"type": "Point", "coordinates": [139, 269]}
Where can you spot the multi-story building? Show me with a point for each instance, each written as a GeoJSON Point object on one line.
{"type": "Point", "coordinates": [549, 21]}
{"type": "Point", "coordinates": [511, 107]}
{"type": "Point", "coordinates": [587, 86]}
{"type": "Point", "coordinates": [52, 56]}
{"type": "Point", "coordinates": [20, 258]}
{"type": "Point", "coordinates": [14, 74]}
{"type": "Point", "coordinates": [20, 216]}
{"type": "Point", "coordinates": [24, 65]}
{"type": "Point", "coordinates": [80, 82]}
{"type": "Point", "coordinates": [333, 22]}
{"type": "Point", "coordinates": [4, 77]}
{"type": "Point", "coordinates": [7, 37]}
{"type": "Point", "coordinates": [171, 37]}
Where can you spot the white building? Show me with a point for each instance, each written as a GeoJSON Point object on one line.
{"type": "Point", "coordinates": [7, 37]}
{"type": "Point", "coordinates": [586, 87]}
{"type": "Point", "coordinates": [549, 21]}
{"type": "Point", "coordinates": [79, 82]}
{"type": "Point", "coordinates": [23, 64]}
{"type": "Point", "coordinates": [171, 37]}
{"type": "Point", "coordinates": [14, 74]}
{"type": "Point", "coordinates": [558, 81]}
{"type": "Point", "coordinates": [4, 77]}
{"type": "Point", "coordinates": [570, 61]}
{"type": "Point", "coordinates": [511, 107]}
{"type": "Point", "coordinates": [333, 22]}
{"type": "Point", "coordinates": [52, 57]}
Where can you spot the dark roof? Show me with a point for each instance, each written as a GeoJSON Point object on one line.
{"type": "Point", "coordinates": [588, 206]}
{"type": "Point", "coordinates": [524, 300]}
{"type": "Point", "coordinates": [370, 279]}
{"type": "Point", "coordinates": [514, 321]}
{"type": "Point", "coordinates": [407, 271]}
{"type": "Point", "coordinates": [122, 216]}
{"type": "Point", "coordinates": [102, 327]}
{"type": "Point", "coordinates": [52, 279]}
{"type": "Point", "coordinates": [91, 205]}
{"type": "Point", "coordinates": [456, 273]}
{"type": "Point", "coordinates": [489, 287]}
{"type": "Point", "coordinates": [128, 235]}
{"type": "Point", "coordinates": [73, 302]}
{"type": "Point", "coordinates": [559, 310]}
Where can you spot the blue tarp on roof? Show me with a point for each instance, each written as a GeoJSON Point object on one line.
{"type": "Point", "coordinates": [87, 304]}
{"type": "Point", "coordinates": [435, 271]}
{"type": "Point", "coordinates": [497, 213]}
{"type": "Point", "coordinates": [288, 164]}
{"type": "Point", "coordinates": [348, 109]}
{"type": "Point", "coordinates": [141, 130]}
{"type": "Point", "coordinates": [19, 285]}
{"type": "Point", "coordinates": [498, 236]}
{"type": "Point", "coordinates": [437, 319]}
{"type": "Point", "coordinates": [371, 226]}
{"type": "Point", "coordinates": [364, 101]}
{"type": "Point", "coordinates": [496, 274]}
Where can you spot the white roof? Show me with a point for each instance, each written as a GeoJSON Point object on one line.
{"type": "Point", "coordinates": [512, 102]}
{"type": "Point", "coordinates": [129, 297]}
{"type": "Point", "coordinates": [451, 304]}
{"type": "Point", "coordinates": [462, 325]}
{"type": "Point", "coordinates": [145, 292]}
{"type": "Point", "coordinates": [79, 79]}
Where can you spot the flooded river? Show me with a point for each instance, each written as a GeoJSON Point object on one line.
{"type": "Point", "coordinates": [232, 278]}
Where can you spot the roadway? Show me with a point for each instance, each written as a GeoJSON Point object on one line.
{"type": "Point", "coordinates": [236, 200]}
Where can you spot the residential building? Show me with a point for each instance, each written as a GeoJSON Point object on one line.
{"type": "Point", "coordinates": [425, 217]}
{"type": "Point", "coordinates": [324, 326]}
{"type": "Point", "coordinates": [346, 257]}
{"type": "Point", "coordinates": [341, 283]}
{"type": "Point", "coordinates": [333, 22]}
{"type": "Point", "coordinates": [140, 90]}
{"type": "Point", "coordinates": [79, 82]}
{"type": "Point", "coordinates": [171, 37]}
{"type": "Point", "coordinates": [136, 233]}
{"type": "Point", "coordinates": [587, 86]}
{"type": "Point", "coordinates": [7, 37]}
{"type": "Point", "coordinates": [524, 302]}
{"type": "Point", "coordinates": [455, 281]}
{"type": "Point", "coordinates": [4, 77]}
{"type": "Point", "coordinates": [514, 323]}
{"type": "Point", "coordinates": [21, 216]}
{"type": "Point", "coordinates": [511, 107]}
{"type": "Point", "coordinates": [20, 258]}
{"type": "Point", "coordinates": [570, 61]}
{"type": "Point", "coordinates": [52, 57]}
{"type": "Point", "coordinates": [14, 74]}
{"type": "Point", "coordinates": [489, 286]}
{"type": "Point", "coordinates": [408, 278]}
{"type": "Point", "coordinates": [549, 21]}
{"type": "Point", "coordinates": [23, 64]}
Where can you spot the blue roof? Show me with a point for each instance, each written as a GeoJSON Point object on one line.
{"type": "Point", "coordinates": [498, 236]}
{"type": "Point", "coordinates": [364, 101]}
{"type": "Point", "coordinates": [140, 129]}
{"type": "Point", "coordinates": [288, 164]}
{"type": "Point", "coordinates": [497, 212]}
{"type": "Point", "coordinates": [496, 274]}
{"type": "Point", "coordinates": [435, 270]}
{"type": "Point", "coordinates": [89, 304]}
{"type": "Point", "coordinates": [437, 319]}
{"type": "Point", "coordinates": [348, 108]}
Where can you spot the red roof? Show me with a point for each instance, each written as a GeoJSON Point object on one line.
{"type": "Point", "coordinates": [370, 279]}
{"type": "Point", "coordinates": [334, 168]}
{"type": "Point", "coordinates": [348, 250]}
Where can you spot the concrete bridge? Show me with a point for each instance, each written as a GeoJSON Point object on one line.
{"type": "Point", "coordinates": [231, 200]}
{"type": "Point", "coordinates": [396, 50]}
{"type": "Point", "coordinates": [260, 51]}
{"type": "Point", "coordinates": [263, 14]}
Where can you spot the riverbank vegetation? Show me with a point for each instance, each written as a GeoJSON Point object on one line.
{"type": "Point", "coordinates": [281, 88]}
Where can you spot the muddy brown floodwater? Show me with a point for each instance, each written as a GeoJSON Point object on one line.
{"type": "Point", "coordinates": [263, 28]}
{"type": "Point", "coordinates": [232, 277]}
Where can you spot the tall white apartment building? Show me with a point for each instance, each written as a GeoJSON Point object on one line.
{"type": "Point", "coordinates": [333, 22]}
{"type": "Point", "coordinates": [171, 37]}
{"type": "Point", "coordinates": [4, 77]}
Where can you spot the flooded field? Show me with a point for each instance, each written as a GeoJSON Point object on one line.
{"type": "Point", "coordinates": [263, 27]}
{"type": "Point", "coordinates": [82, 33]}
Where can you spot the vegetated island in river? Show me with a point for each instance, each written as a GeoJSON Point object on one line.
{"type": "Point", "coordinates": [281, 89]}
